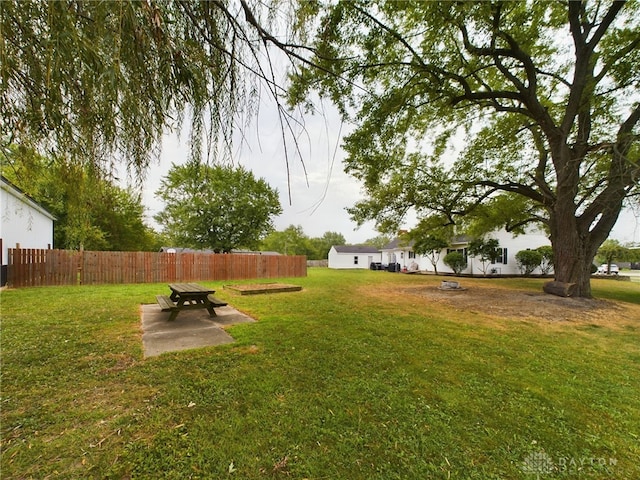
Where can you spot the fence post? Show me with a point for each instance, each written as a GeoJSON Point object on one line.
{"type": "Point", "coordinates": [80, 266]}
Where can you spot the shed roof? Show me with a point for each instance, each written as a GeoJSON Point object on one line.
{"type": "Point", "coordinates": [14, 191]}
{"type": "Point", "coordinates": [355, 249]}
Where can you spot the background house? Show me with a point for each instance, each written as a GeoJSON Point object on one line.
{"type": "Point", "coordinates": [353, 256]}
{"type": "Point", "coordinates": [401, 252]}
{"type": "Point", "coordinates": [23, 222]}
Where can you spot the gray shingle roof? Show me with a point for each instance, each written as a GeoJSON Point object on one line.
{"type": "Point", "coordinates": [398, 243]}
{"type": "Point", "coordinates": [355, 249]}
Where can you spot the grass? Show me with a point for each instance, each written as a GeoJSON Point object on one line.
{"type": "Point", "coordinates": [341, 380]}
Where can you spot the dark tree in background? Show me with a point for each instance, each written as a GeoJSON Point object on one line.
{"type": "Point", "coordinates": [290, 241]}
{"type": "Point", "coordinates": [293, 241]}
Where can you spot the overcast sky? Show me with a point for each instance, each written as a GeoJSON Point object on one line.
{"type": "Point", "coordinates": [318, 207]}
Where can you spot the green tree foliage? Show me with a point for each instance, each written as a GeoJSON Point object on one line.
{"type": "Point", "coordinates": [546, 264]}
{"type": "Point", "coordinates": [216, 207]}
{"type": "Point", "coordinates": [92, 80]}
{"type": "Point", "coordinates": [455, 261]}
{"type": "Point", "coordinates": [531, 107]}
{"type": "Point", "coordinates": [430, 237]}
{"type": "Point", "coordinates": [379, 241]}
{"type": "Point", "coordinates": [432, 247]}
{"type": "Point", "coordinates": [91, 213]}
{"type": "Point", "coordinates": [120, 214]}
{"type": "Point", "coordinates": [293, 241]}
{"type": "Point", "coordinates": [290, 241]}
{"type": "Point", "coordinates": [484, 250]}
{"type": "Point", "coordinates": [611, 250]}
{"type": "Point", "coordinates": [321, 246]}
{"type": "Point", "coordinates": [528, 261]}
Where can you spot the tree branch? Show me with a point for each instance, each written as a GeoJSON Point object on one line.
{"type": "Point", "coordinates": [621, 53]}
{"type": "Point", "coordinates": [514, 187]}
{"type": "Point", "coordinates": [510, 227]}
{"type": "Point", "coordinates": [607, 20]}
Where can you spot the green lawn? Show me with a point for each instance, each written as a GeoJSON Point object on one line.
{"type": "Point", "coordinates": [347, 379]}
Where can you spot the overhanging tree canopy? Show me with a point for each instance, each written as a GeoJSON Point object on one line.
{"type": "Point", "coordinates": [96, 81]}
{"type": "Point", "coordinates": [543, 95]}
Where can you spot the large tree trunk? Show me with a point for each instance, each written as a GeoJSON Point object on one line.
{"type": "Point", "coordinates": [576, 240]}
{"type": "Point", "coordinates": [572, 254]}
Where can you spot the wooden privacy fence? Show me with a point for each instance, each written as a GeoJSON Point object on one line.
{"type": "Point", "coordinates": [31, 267]}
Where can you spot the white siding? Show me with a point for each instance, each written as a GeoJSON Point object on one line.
{"type": "Point", "coordinates": [404, 256]}
{"type": "Point", "coordinates": [513, 245]}
{"type": "Point", "coordinates": [22, 222]}
{"type": "Point", "coordinates": [344, 260]}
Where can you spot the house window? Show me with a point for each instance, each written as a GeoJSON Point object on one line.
{"type": "Point", "coordinates": [501, 256]}
{"type": "Point", "coordinates": [463, 251]}
{"type": "Point", "coordinates": [355, 260]}
{"type": "Point", "coordinates": [412, 254]}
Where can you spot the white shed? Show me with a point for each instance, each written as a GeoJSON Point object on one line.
{"type": "Point", "coordinates": [353, 256]}
{"type": "Point", "coordinates": [23, 222]}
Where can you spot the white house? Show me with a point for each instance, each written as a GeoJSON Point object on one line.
{"type": "Point", "coordinates": [504, 264]}
{"type": "Point", "coordinates": [23, 222]}
{"type": "Point", "coordinates": [353, 256]}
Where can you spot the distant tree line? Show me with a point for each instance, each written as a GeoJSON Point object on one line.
{"type": "Point", "coordinates": [207, 207]}
{"type": "Point", "coordinates": [293, 241]}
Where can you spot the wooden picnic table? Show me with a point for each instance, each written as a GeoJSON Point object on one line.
{"type": "Point", "coordinates": [187, 296]}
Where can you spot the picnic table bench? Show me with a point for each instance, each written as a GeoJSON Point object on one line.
{"type": "Point", "coordinates": [187, 296]}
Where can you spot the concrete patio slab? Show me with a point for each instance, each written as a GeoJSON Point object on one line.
{"type": "Point", "coordinates": [191, 329]}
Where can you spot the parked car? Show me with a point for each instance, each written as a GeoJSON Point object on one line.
{"type": "Point", "coordinates": [605, 270]}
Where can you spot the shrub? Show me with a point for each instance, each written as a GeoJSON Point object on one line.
{"type": "Point", "coordinates": [547, 258]}
{"type": "Point", "coordinates": [528, 261]}
{"type": "Point", "coordinates": [455, 261]}
{"type": "Point", "coordinates": [484, 250]}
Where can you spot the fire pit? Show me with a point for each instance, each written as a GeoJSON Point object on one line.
{"type": "Point", "coordinates": [447, 285]}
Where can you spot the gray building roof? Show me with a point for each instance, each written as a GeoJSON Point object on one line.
{"type": "Point", "coordinates": [398, 243]}
{"type": "Point", "coordinates": [356, 249]}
